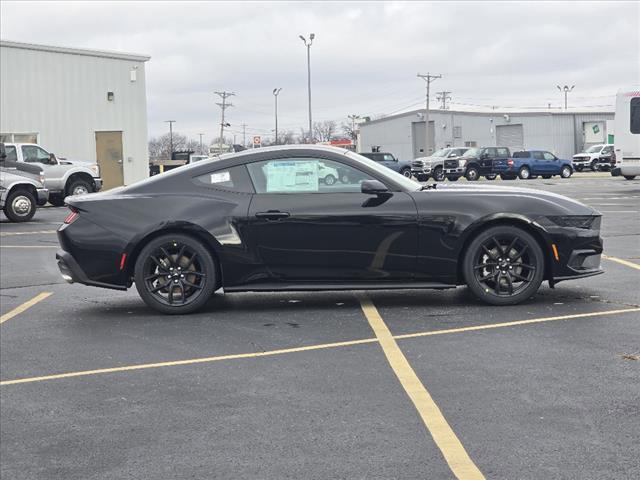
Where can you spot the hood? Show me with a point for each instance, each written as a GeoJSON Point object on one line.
{"type": "Point", "coordinates": [80, 163]}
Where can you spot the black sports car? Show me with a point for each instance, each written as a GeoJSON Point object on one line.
{"type": "Point", "coordinates": [264, 220]}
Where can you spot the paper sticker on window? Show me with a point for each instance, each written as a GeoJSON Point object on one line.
{"type": "Point", "coordinates": [220, 177]}
{"type": "Point", "coordinates": [288, 176]}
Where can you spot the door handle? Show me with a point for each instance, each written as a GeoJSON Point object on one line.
{"type": "Point", "coordinates": [273, 215]}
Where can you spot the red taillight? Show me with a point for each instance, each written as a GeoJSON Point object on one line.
{"type": "Point", "coordinates": [510, 162]}
{"type": "Point", "coordinates": [71, 217]}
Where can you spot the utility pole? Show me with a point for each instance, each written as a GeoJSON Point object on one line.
{"type": "Point", "coordinates": [443, 97]}
{"type": "Point", "coordinates": [244, 134]}
{"type": "Point", "coordinates": [276, 91]}
{"type": "Point", "coordinates": [170, 122]}
{"type": "Point", "coordinates": [427, 78]}
{"type": "Point", "coordinates": [566, 91]}
{"type": "Point", "coordinates": [201, 150]}
{"type": "Point", "coordinates": [353, 119]}
{"type": "Point", "coordinates": [308, 45]}
{"type": "Point", "coordinates": [224, 105]}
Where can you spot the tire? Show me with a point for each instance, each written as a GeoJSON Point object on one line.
{"type": "Point", "coordinates": [164, 259]}
{"type": "Point", "coordinates": [629, 177]}
{"type": "Point", "coordinates": [422, 177]}
{"type": "Point", "coordinates": [491, 177]}
{"type": "Point", "coordinates": [566, 172]}
{"type": "Point", "coordinates": [533, 177]}
{"type": "Point", "coordinates": [79, 187]}
{"type": "Point", "coordinates": [56, 199]}
{"type": "Point", "coordinates": [503, 265]}
{"type": "Point", "coordinates": [594, 165]}
{"type": "Point", "coordinates": [453, 179]}
{"type": "Point", "coordinates": [472, 174]}
{"type": "Point", "coordinates": [329, 180]}
{"type": "Point", "coordinates": [524, 173]}
{"type": "Point", "coordinates": [344, 178]}
{"type": "Point", "coordinates": [438, 174]}
{"type": "Point", "coordinates": [406, 172]}
{"type": "Point", "coordinates": [507, 177]}
{"type": "Point", "coordinates": [20, 206]}
{"type": "Point", "coordinates": [547, 177]}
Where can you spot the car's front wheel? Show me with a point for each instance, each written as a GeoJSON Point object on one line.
{"type": "Point", "coordinates": [329, 180]}
{"type": "Point", "coordinates": [20, 206]}
{"type": "Point", "coordinates": [406, 172]}
{"type": "Point", "coordinates": [593, 165]}
{"type": "Point", "coordinates": [565, 172]}
{"type": "Point", "coordinates": [503, 265]}
{"type": "Point", "coordinates": [79, 187]}
{"type": "Point", "coordinates": [175, 274]}
{"type": "Point", "coordinates": [438, 174]}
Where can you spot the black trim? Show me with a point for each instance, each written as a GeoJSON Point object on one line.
{"type": "Point", "coordinates": [315, 286]}
{"type": "Point", "coordinates": [68, 266]}
{"type": "Point", "coordinates": [590, 273]}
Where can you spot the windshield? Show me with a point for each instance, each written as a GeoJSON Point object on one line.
{"type": "Point", "coordinates": [441, 153]}
{"type": "Point", "coordinates": [387, 172]}
{"type": "Point", "coordinates": [594, 149]}
{"type": "Point", "coordinates": [472, 152]}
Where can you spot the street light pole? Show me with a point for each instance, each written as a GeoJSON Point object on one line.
{"type": "Point", "coordinates": [201, 150]}
{"type": "Point", "coordinates": [566, 91]}
{"type": "Point", "coordinates": [353, 119]}
{"type": "Point", "coordinates": [276, 91]}
{"type": "Point", "coordinates": [308, 45]}
{"type": "Point", "coordinates": [170, 122]}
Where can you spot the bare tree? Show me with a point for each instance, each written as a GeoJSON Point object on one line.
{"type": "Point", "coordinates": [349, 132]}
{"type": "Point", "coordinates": [160, 147]}
{"type": "Point", "coordinates": [324, 131]}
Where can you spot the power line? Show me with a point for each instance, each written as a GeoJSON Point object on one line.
{"type": "Point", "coordinates": [224, 105]}
{"type": "Point", "coordinates": [443, 97]}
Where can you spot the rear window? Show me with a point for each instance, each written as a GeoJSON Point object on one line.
{"type": "Point", "coordinates": [234, 179]}
{"type": "Point", "coordinates": [521, 155]}
{"type": "Point", "coordinates": [634, 121]}
{"type": "Point", "coordinates": [503, 152]}
{"type": "Point", "coordinates": [11, 154]}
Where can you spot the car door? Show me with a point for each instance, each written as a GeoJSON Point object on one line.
{"type": "Point", "coordinates": [552, 163]}
{"type": "Point", "coordinates": [302, 230]}
{"type": "Point", "coordinates": [486, 160]}
{"type": "Point", "coordinates": [538, 164]}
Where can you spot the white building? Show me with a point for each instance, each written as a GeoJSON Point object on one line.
{"type": "Point", "coordinates": [563, 133]}
{"type": "Point", "coordinates": [79, 104]}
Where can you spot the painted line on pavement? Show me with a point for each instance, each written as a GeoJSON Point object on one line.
{"type": "Point", "coordinates": [10, 234]}
{"type": "Point", "coordinates": [143, 366]}
{"type": "Point", "coordinates": [443, 435]}
{"type": "Point", "coordinates": [622, 262]}
{"type": "Point", "coordinates": [25, 306]}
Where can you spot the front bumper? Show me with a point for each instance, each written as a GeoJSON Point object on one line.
{"type": "Point", "coordinates": [43, 196]}
{"type": "Point", "coordinates": [98, 183]}
{"type": "Point", "coordinates": [454, 172]}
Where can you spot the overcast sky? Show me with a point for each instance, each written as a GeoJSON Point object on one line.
{"type": "Point", "coordinates": [364, 59]}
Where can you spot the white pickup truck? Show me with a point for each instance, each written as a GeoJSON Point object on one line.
{"type": "Point", "coordinates": [62, 177]}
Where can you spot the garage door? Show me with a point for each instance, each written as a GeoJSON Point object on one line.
{"type": "Point", "coordinates": [511, 136]}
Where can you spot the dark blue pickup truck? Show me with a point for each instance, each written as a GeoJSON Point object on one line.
{"type": "Point", "coordinates": [389, 161]}
{"type": "Point", "coordinates": [528, 164]}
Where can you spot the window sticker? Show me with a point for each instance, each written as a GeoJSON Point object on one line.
{"type": "Point", "coordinates": [220, 177]}
{"type": "Point", "coordinates": [287, 176]}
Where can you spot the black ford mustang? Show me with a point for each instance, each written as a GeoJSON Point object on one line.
{"type": "Point", "coordinates": [266, 220]}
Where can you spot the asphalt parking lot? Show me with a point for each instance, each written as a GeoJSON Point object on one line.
{"type": "Point", "coordinates": [413, 384]}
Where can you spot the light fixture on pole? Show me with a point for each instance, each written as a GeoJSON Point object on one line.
{"type": "Point", "coordinates": [276, 91]}
{"type": "Point", "coordinates": [201, 150]}
{"type": "Point", "coordinates": [353, 119]}
{"type": "Point", "coordinates": [308, 45]}
{"type": "Point", "coordinates": [566, 91]}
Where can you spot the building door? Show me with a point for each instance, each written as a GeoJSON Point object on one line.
{"type": "Point", "coordinates": [511, 136]}
{"type": "Point", "coordinates": [109, 156]}
{"type": "Point", "coordinates": [418, 135]}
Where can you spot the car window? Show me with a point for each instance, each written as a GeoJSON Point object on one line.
{"type": "Point", "coordinates": [503, 152]}
{"type": "Point", "coordinates": [548, 156]}
{"type": "Point", "coordinates": [388, 158]}
{"type": "Point", "coordinates": [521, 154]}
{"type": "Point", "coordinates": [490, 151]}
{"type": "Point", "coordinates": [607, 149]}
{"type": "Point", "coordinates": [11, 153]}
{"type": "Point", "coordinates": [33, 153]}
{"type": "Point", "coordinates": [235, 179]}
{"type": "Point", "coordinates": [305, 175]}
{"type": "Point", "coordinates": [634, 115]}
{"type": "Point", "coordinates": [538, 155]}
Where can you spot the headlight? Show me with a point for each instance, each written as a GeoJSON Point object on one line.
{"type": "Point", "coordinates": [573, 221]}
{"type": "Point", "coordinates": [462, 163]}
{"type": "Point", "coordinates": [96, 169]}
{"type": "Point", "coordinates": [42, 179]}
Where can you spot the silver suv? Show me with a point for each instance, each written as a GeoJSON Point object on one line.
{"type": "Point", "coordinates": [433, 166]}
{"type": "Point", "coordinates": [21, 189]}
{"type": "Point", "coordinates": [62, 177]}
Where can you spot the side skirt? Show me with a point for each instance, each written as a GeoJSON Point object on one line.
{"type": "Point", "coordinates": [315, 286]}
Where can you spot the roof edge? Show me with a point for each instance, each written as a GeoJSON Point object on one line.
{"type": "Point", "coordinates": [76, 51]}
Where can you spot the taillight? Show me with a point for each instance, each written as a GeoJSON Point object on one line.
{"type": "Point", "coordinates": [72, 216]}
{"type": "Point", "coordinates": [510, 163]}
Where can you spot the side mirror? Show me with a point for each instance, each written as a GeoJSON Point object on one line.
{"type": "Point", "coordinates": [373, 187]}
{"type": "Point", "coordinates": [52, 159]}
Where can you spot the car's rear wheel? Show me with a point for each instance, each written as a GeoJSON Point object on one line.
{"type": "Point", "coordinates": [175, 274]}
{"type": "Point", "coordinates": [491, 177]}
{"type": "Point", "coordinates": [472, 174]}
{"type": "Point", "coordinates": [503, 265]}
{"type": "Point", "coordinates": [565, 172]}
{"type": "Point", "coordinates": [329, 180]}
{"type": "Point", "coordinates": [20, 206]}
{"type": "Point", "coordinates": [524, 173]}
{"type": "Point", "coordinates": [438, 174]}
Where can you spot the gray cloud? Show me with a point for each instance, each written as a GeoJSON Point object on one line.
{"type": "Point", "coordinates": [364, 60]}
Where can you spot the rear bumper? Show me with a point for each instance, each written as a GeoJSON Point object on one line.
{"type": "Point", "coordinates": [615, 172]}
{"type": "Point", "coordinates": [72, 273]}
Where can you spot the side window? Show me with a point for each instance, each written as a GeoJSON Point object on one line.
{"type": "Point", "coordinates": [607, 149]}
{"type": "Point", "coordinates": [503, 152]}
{"type": "Point", "coordinates": [387, 158]}
{"type": "Point", "coordinates": [634, 117]}
{"type": "Point", "coordinates": [11, 154]}
{"type": "Point", "coordinates": [235, 179]}
{"type": "Point", "coordinates": [538, 155]}
{"type": "Point", "coordinates": [548, 156]}
{"type": "Point", "coordinates": [305, 175]}
{"type": "Point", "coordinates": [32, 153]}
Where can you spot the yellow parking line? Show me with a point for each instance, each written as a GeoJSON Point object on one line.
{"type": "Point", "coordinates": [622, 262]}
{"type": "Point", "coordinates": [143, 366]}
{"type": "Point", "coordinates": [26, 305]}
{"type": "Point", "coordinates": [9, 234]}
{"type": "Point", "coordinates": [443, 435]}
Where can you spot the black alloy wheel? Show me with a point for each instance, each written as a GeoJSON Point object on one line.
{"type": "Point", "coordinates": [504, 265]}
{"type": "Point", "coordinates": [438, 174]}
{"type": "Point", "coordinates": [175, 274]}
{"type": "Point", "coordinates": [472, 174]}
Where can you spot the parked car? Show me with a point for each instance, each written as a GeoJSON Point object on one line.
{"type": "Point", "coordinates": [249, 222]}
{"type": "Point", "coordinates": [389, 161]}
{"type": "Point", "coordinates": [433, 166]}
{"type": "Point", "coordinates": [528, 164]}
{"type": "Point", "coordinates": [590, 158]}
{"type": "Point", "coordinates": [21, 188]}
{"type": "Point", "coordinates": [475, 162]}
{"type": "Point", "coordinates": [606, 160]}
{"type": "Point", "coordinates": [627, 133]}
{"type": "Point", "coordinates": [63, 177]}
